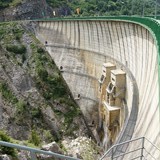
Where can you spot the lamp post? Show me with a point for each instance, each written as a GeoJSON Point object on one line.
{"type": "Point", "coordinates": [122, 3]}
{"type": "Point", "coordinates": [155, 14]}
{"type": "Point", "coordinates": [132, 8]}
{"type": "Point", "coordinates": [143, 6]}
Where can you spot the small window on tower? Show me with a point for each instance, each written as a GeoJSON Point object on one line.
{"type": "Point", "coordinates": [102, 78]}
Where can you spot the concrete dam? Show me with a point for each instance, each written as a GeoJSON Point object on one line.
{"type": "Point", "coordinates": [80, 47]}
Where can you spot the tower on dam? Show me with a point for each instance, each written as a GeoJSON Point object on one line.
{"type": "Point", "coordinates": [111, 107]}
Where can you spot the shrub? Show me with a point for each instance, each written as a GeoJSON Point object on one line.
{"type": "Point", "coordinates": [21, 106]}
{"type": "Point", "coordinates": [40, 50]}
{"type": "Point", "coordinates": [16, 49]}
{"type": "Point", "coordinates": [23, 58]}
{"type": "Point", "coordinates": [48, 136]}
{"type": "Point", "coordinates": [18, 37]}
{"type": "Point", "coordinates": [6, 150]}
{"type": "Point", "coordinates": [34, 138]}
{"type": "Point", "coordinates": [7, 94]}
{"type": "Point", "coordinates": [42, 73]}
{"type": "Point", "coordinates": [36, 113]}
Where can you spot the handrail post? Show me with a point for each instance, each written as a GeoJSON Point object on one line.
{"type": "Point", "coordinates": [112, 154]}
{"type": "Point", "coordinates": [142, 148]}
{"type": "Point", "coordinates": [33, 155]}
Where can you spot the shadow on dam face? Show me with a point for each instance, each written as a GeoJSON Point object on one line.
{"type": "Point", "coordinates": [82, 47]}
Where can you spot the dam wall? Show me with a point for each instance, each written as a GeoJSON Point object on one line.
{"type": "Point", "coordinates": [82, 46]}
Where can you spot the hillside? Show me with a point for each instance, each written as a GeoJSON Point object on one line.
{"type": "Point", "coordinates": [28, 9]}
{"type": "Point", "coordinates": [105, 7]}
{"type": "Point", "coordinates": [23, 9]}
{"type": "Point", "coordinates": [36, 104]}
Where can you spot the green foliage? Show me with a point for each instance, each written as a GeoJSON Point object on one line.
{"type": "Point", "coordinates": [4, 3]}
{"type": "Point", "coordinates": [23, 58]}
{"type": "Point", "coordinates": [40, 50]}
{"type": "Point", "coordinates": [15, 2]}
{"type": "Point", "coordinates": [97, 7]}
{"type": "Point", "coordinates": [7, 3]}
{"type": "Point", "coordinates": [56, 3]}
{"type": "Point", "coordinates": [106, 7]}
{"type": "Point", "coordinates": [52, 84]}
{"type": "Point", "coordinates": [73, 111]}
{"type": "Point", "coordinates": [48, 136]}
{"type": "Point", "coordinates": [18, 33]}
{"type": "Point", "coordinates": [36, 113]}
{"type": "Point", "coordinates": [34, 138]}
{"type": "Point", "coordinates": [42, 73]}
{"type": "Point", "coordinates": [16, 49]}
{"type": "Point", "coordinates": [21, 106]}
{"type": "Point", "coordinates": [3, 149]}
{"type": "Point", "coordinates": [7, 93]}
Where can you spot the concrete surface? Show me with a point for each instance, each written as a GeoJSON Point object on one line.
{"type": "Point", "coordinates": [82, 47]}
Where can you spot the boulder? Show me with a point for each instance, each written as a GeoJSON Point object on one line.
{"type": "Point", "coordinates": [4, 157]}
{"type": "Point", "coordinates": [53, 147]}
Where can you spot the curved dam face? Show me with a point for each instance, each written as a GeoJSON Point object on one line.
{"type": "Point", "coordinates": [81, 47]}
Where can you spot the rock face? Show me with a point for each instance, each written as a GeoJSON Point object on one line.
{"type": "Point", "coordinates": [82, 147]}
{"type": "Point", "coordinates": [53, 147]}
{"type": "Point", "coordinates": [30, 106]}
{"type": "Point", "coordinates": [4, 157]}
{"type": "Point", "coordinates": [27, 9]}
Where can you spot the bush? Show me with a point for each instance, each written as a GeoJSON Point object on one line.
{"type": "Point", "coordinates": [7, 94]}
{"type": "Point", "coordinates": [48, 136]}
{"type": "Point", "coordinates": [23, 58]}
{"type": "Point", "coordinates": [36, 113]}
{"type": "Point", "coordinates": [6, 150]}
{"type": "Point", "coordinates": [34, 138]}
{"type": "Point", "coordinates": [16, 49]}
{"type": "Point", "coordinates": [21, 106]}
{"type": "Point", "coordinates": [42, 73]}
{"type": "Point", "coordinates": [40, 50]}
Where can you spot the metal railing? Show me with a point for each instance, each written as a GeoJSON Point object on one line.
{"type": "Point", "coordinates": [34, 151]}
{"type": "Point", "coordinates": [139, 148]}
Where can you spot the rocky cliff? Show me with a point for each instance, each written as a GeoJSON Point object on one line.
{"type": "Point", "coordinates": [35, 103]}
{"type": "Point", "coordinates": [25, 10]}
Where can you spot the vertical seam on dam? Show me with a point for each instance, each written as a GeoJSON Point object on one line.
{"type": "Point", "coordinates": [130, 46]}
{"type": "Point", "coordinates": [78, 34]}
{"type": "Point", "coordinates": [123, 34]}
{"type": "Point", "coordinates": [88, 33]}
{"type": "Point", "coordinates": [109, 31]}
{"type": "Point", "coordinates": [102, 35]}
{"type": "Point", "coordinates": [142, 54]}
{"type": "Point", "coordinates": [119, 44]}
{"type": "Point", "coordinates": [75, 35]}
{"type": "Point", "coordinates": [98, 36]}
{"type": "Point", "coordinates": [84, 36]}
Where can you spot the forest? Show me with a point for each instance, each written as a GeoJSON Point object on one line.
{"type": "Point", "coordinates": [106, 7]}
{"type": "Point", "coordinates": [98, 7]}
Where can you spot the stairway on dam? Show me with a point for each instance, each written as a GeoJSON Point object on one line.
{"type": "Point", "coordinates": [82, 46]}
